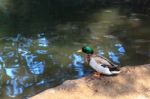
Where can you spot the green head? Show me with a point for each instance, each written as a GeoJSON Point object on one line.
{"type": "Point", "coordinates": [87, 50]}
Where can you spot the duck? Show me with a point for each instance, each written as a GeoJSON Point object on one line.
{"type": "Point", "coordinates": [99, 63]}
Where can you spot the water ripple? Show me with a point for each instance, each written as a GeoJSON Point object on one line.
{"type": "Point", "coordinates": [41, 51]}
{"type": "Point", "coordinates": [43, 42]}
{"type": "Point", "coordinates": [13, 88]}
{"type": "Point", "coordinates": [78, 64]}
{"type": "Point", "coordinates": [11, 72]}
{"type": "Point", "coordinates": [36, 67]}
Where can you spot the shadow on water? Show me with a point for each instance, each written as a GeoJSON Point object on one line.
{"type": "Point", "coordinates": [36, 16]}
{"type": "Point", "coordinates": [39, 39]}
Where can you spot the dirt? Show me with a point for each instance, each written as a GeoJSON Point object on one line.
{"type": "Point", "coordinates": [132, 83]}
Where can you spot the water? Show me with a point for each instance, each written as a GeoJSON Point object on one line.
{"type": "Point", "coordinates": [38, 42]}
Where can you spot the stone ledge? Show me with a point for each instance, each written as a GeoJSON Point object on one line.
{"type": "Point", "coordinates": [132, 83]}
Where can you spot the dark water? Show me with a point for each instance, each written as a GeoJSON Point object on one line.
{"type": "Point", "coordinates": [38, 42]}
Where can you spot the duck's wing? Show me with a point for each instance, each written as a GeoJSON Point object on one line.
{"type": "Point", "coordinates": [110, 62]}
{"type": "Point", "coordinates": [102, 61]}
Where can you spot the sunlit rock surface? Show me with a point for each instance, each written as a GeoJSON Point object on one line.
{"type": "Point", "coordinates": [132, 83]}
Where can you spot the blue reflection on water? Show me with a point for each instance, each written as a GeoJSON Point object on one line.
{"type": "Point", "coordinates": [43, 42]}
{"type": "Point", "coordinates": [17, 38]}
{"type": "Point", "coordinates": [11, 72]}
{"type": "Point", "coordinates": [23, 52]}
{"type": "Point", "coordinates": [35, 67]}
{"type": "Point", "coordinates": [16, 83]}
{"type": "Point", "coordinates": [78, 64]}
{"type": "Point", "coordinates": [40, 83]}
{"type": "Point", "coordinates": [41, 51]}
{"type": "Point", "coordinates": [1, 59]}
{"type": "Point", "coordinates": [120, 48]}
{"type": "Point", "coordinates": [24, 81]}
{"type": "Point", "coordinates": [1, 71]}
{"type": "Point", "coordinates": [114, 54]}
{"type": "Point", "coordinates": [10, 54]}
{"type": "Point", "coordinates": [13, 88]}
{"type": "Point", "coordinates": [114, 57]}
{"type": "Point", "coordinates": [23, 55]}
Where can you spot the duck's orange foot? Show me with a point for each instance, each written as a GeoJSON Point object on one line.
{"type": "Point", "coordinates": [96, 75]}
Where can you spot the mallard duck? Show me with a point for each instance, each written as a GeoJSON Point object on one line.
{"type": "Point", "coordinates": [99, 63]}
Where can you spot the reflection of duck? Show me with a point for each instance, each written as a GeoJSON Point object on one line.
{"type": "Point", "coordinates": [99, 63]}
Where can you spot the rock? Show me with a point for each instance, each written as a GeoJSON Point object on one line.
{"type": "Point", "coordinates": [132, 83]}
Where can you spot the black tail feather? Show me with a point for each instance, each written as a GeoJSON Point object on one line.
{"type": "Point", "coordinates": [114, 69]}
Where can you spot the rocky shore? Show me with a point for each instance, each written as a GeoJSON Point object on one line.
{"type": "Point", "coordinates": [132, 83]}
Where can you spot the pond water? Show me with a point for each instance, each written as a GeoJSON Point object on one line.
{"type": "Point", "coordinates": [37, 53]}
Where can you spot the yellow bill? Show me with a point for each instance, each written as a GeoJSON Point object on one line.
{"type": "Point", "coordinates": [79, 51]}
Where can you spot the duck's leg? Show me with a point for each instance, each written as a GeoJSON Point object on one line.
{"type": "Point", "coordinates": [97, 75]}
